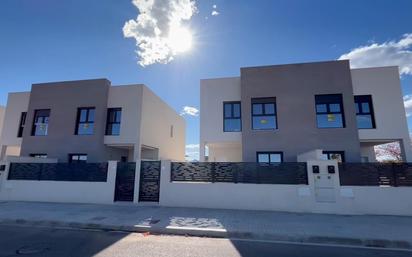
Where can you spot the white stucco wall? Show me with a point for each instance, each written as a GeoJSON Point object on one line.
{"type": "Point", "coordinates": [156, 123]}
{"type": "Point", "coordinates": [16, 104]}
{"type": "Point", "coordinates": [378, 200]}
{"type": "Point", "coordinates": [59, 191]}
{"type": "Point", "coordinates": [228, 152]}
{"type": "Point", "coordinates": [129, 98]}
{"type": "Point", "coordinates": [2, 112]}
{"type": "Point", "coordinates": [353, 200]}
{"type": "Point", "coordinates": [213, 92]}
{"type": "Point", "coordinates": [383, 84]}
{"type": "Point", "coordinates": [367, 150]}
{"type": "Point", "coordinates": [230, 195]}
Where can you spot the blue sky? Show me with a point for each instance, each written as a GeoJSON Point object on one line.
{"type": "Point", "coordinates": [48, 40]}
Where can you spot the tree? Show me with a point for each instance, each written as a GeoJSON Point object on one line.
{"type": "Point", "coordinates": [389, 152]}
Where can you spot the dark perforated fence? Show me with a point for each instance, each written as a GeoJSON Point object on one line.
{"type": "Point", "coordinates": [88, 172]}
{"type": "Point", "coordinates": [375, 174]}
{"type": "Point", "coordinates": [240, 172]}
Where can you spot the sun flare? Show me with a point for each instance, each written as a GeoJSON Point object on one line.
{"type": "Point", "coordinates": [180, 39]}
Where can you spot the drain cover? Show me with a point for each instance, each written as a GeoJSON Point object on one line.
{"type": "Point", "coordinates": [32, 249]}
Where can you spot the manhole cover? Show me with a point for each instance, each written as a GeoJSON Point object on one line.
{"type": "Point", "coordinates": [32, 249]}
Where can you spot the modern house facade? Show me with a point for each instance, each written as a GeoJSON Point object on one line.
{"type": "Point", "coordinates": [276, 113]}
{"type": "Point", "coordinates": [93, 121]}
{"type": "Point", "coordinates": [2, 111]}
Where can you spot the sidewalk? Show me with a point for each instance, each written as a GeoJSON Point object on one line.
{"type": "Point", "coordinates": [380, 231]}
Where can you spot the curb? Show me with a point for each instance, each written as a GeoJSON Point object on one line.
{"type": "Point", "coordinates": [216, 233]}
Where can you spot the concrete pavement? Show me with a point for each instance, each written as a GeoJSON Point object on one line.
{"type": "Point", "coordinates": [45, 242]}
{"type": "Point", "coordinates": [379, 231]}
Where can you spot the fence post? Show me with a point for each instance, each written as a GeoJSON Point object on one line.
{"type": "Point", "coordinates": [394, 174]}
{"type": "Point", "coordinates": [235, 173]}
{"type": "Point", "coordinates": [138, 164]}
{"type": "Point", "coordinates": [165, 181]}
{"type": "Point", "coordinates": [40, 171]}
{"type": "Point", "coordinates": [213, 167]}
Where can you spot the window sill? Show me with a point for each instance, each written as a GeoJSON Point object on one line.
{"type": "Point", "coordinates": [265, 129]}
{"type": "Point", "coordinates": [333, 128]}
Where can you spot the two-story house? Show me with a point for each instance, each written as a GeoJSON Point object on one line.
{"type": "Point", "coordinates": [275, 113]}
{"type": "Point", "coordinates": [90, 120]}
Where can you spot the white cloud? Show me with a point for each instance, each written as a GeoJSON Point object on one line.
{"type": "Point", "coordinates": [189, 110]}
{"type": "Point", "coordinates": [407, 101]}
{"type": "Point", "coordinates": [192, 152]}
{"type": "Point", "coordinates": [215, 12]}
{"type": "Point", "coordinates": [389, 53]}
{"type": "Point", "coordinates": [153, 26]}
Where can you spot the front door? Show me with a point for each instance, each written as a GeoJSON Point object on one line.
{"type": "Point", "coordinates": [125, 178]}
{"type": "Point", "coordinates": [149, 181]}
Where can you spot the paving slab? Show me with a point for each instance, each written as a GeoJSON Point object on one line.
{"type": "Point", "coordinates": [362, 230]}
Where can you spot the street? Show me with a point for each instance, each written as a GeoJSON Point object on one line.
{"type": "Point", "coordinates": [31, 241]}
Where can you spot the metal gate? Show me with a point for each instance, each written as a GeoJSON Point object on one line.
{"type": "Point", "coordinates": [125, 178]}
{"type": "Point", "coordinates": [149, 181]}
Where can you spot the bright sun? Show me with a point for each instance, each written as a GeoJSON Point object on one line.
{"type": "Point", "coordinates": [180, 39]}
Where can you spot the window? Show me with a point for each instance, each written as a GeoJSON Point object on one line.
{"type": "Point", "coordinates": [329, 111]}
{"type": "Point", "coordinates": [264, 114]}
{"type": "Point", "coordinates": [38, 155]}
{"type": "Point", "coordinates": [232, 121]}
{"type": "Point", "coordinates": [85, 121]}
{"type": "Point", "coordinates": [171, 131]}
{"type": "Point", "coordinates": [77, 158]}
{"type": "Point", "coordinates": [364, 112]}
{"type": "Point", "coordinates": [114, 116]}
{"type": "Point", "coordinates": [40, 122]}
{"type": "Point", "coordinates": [269, 157]}
{"type": "Point", "coordinates": [334, 155]}
{"type": "Point", "coordinates": [22, 124]}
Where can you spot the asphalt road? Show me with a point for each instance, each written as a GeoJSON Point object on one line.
{"type": "Point", "coordinates": [28, 241]}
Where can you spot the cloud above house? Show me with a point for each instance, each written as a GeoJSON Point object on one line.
{"type": "Point", "coordinates": [389, 53]}
{"type": "Point", "coordinates": [189, 111]}
{"type": "Point", "coordinates": [215, 11]}
{"type": "Point", "coordinates": [159, 29]}
{"type": "Point", "coordinates": [407, 102]}
{"type": "Point", "coordinates": [192, 152]}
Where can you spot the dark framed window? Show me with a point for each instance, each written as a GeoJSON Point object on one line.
{"type": "Point", "coordinates": [264, 114]}
{"type": "Point", "coordinates": [269, 157]}
{"type": "Point", "coordinates": [40, 122]}
{"type": "Point", "coordinates": [365, 117]}
{"type": "Point", "coordinates": [38, 155]}
{"type": "Point", "coordinates": [334, 155]}
{"type": "Point", "coordinates": [77, 158]}
{"type": "Point", "coordinates": [114, 117]}
{"type": "Point", "coordinates": [232, 117]}
{"type": "Point", "coordinates": [22, 124]}
{"type": "Point", "coordinates": [85, 121]}
{"type": "Point", "coordinates": [329, 111]}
